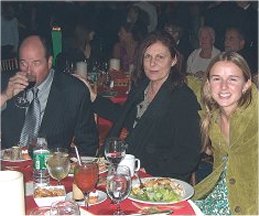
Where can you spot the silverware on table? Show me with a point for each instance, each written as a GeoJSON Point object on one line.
{"type": "Point", "coordinates": [141, 185]}
{"type": "Point", "coordinates": [165, 212]}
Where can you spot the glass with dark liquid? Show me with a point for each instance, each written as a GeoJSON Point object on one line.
{"type": "Point", "coordinates": [22, 101]}
{"type": "Point", "coordinates": [115, 150]}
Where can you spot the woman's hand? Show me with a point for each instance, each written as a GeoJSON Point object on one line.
{"type": "Point", "coordinates": [92, 90]}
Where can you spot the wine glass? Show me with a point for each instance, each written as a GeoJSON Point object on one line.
{"type": "Point", "coordinates": [58, 164]}
{"type": "Point", "coordinates": [118, 185]}
{"type": "Point", "coordinates": [86, 177]}
{"type": "Point", "coordinates": [115, 150]}
{"type": "Point", "coordinates": [22, 101]}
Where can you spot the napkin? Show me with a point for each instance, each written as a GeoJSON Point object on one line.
{"type": "Point", "coordinates": [114, 64]}
{"type": "Point", "coordinates": [12, 193]}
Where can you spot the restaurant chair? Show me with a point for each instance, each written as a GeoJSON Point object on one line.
{"type": "Point", "coordinates": [8, 65]}
{"type": "Point", "coordinates": [203, 170]}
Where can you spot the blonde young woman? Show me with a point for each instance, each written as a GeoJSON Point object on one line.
{"type": "Point", "coordinates": [230, 125]}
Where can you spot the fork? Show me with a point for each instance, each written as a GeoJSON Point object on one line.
{"type": "Point", "coordinates": [141, 185]}
{"type": "Point", "coordinates": [163, 207]}
{"type": "Point", "coordinates": [152, 210]}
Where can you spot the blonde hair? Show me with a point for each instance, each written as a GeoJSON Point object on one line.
{"type": "Point", "coordinates": [209, 104]}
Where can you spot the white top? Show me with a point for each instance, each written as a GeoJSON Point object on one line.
{"type": "Point", "coordinates": [196, 63]}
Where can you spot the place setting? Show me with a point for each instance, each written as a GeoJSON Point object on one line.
{"type": "Point", "coordinates": [158, 196]}
{"type": "Point", "coordinates": [113, 184]}
{"type": "Point", "coordinates": [15, 154]}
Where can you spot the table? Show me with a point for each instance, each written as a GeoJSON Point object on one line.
{"type": "Point", "coordinates": [104, 208]}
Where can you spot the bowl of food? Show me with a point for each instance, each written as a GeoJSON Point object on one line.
{"type": "Point", "coordinates": [45, 196]}
{"type": "Point", "coordinates": [15, 154]}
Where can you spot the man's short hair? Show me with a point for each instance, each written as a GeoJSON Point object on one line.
{"type": "Point", "coordinates": [240, 32]}
{"type": "Point", "coordinates": [45, 43]}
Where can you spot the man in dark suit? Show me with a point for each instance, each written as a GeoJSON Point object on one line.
{"type": "Point", "coordinates": [64, 102]}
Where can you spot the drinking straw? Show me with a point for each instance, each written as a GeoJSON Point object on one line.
{"type": "Point", "coordinates": [77, 153]}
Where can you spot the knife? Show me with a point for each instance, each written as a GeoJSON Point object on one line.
{"type": "Point", "coordinates": [165, 212]}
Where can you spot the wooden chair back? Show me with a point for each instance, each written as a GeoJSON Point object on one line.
{"type": "Point", "coordinates": [122, 82]}
{"type": "Point", "coordinates": [9, 64]}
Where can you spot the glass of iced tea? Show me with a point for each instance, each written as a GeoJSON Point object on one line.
{"type": "Point", "coordinates": [86, 177]}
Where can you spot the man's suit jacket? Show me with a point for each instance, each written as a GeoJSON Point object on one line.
{"type": "Point", "coordinates": [68, 114]}
{"type": "Point", "coordinates": [167, 137]}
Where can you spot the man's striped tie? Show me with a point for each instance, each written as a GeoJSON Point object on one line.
{"type": "Point", "coordinates": [32, 121]}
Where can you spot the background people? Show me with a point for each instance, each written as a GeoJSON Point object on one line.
{"type": "Point", "coordinates": [129, 37]}
{"type": "Point", "coordinates": [235, 40]}
{"type": "Point", "coordinates": [200, 58]}
{"type": "Point", "coordinates": [181, 39]}
{"type": "Point", "coordinates": [9, 31]}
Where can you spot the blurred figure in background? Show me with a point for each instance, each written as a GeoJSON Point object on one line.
{"type": "Point", "coordinates": [9, 31]}
{"type": "Point", "coordinates": [150, 9]}
{"type": "Point", "coordinates": [79, 49]}
{"type": "Point", "coordinates": [200, 58]}
{"type": "Point", "coordinates": [235, 40]}
{"type": "Point", "coordinates": [138, 17]}
{"type": "Point", "coordinates": [125, 49]}
{"type": "Point", "coordinates": [181, 39]}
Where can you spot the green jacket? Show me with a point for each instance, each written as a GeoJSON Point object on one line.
{"type": "Point", "coordinates": [241, 158]}
{"type": "Point", "coordinates": [195, 84]}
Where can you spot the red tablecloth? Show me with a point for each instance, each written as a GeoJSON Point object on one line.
{"type": "Point", "coordinates": [118, 99]}
{"type": "Point", "coordinates": [182, 208]}
{"type": "Point", "coordinates": [104, 125]}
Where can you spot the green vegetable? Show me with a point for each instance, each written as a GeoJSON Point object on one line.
{"type": "Point", "coordinates": [157, 193]}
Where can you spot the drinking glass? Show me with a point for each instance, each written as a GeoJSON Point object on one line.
{"type": "Point", "coordinates": [118, 185]}
{"type": "Point", "coordinates": [86, 177]}
{"type": "Point", "coordinates": [115, 150]}
{"type": "Point", "coordinates": [22, 101]}
{"type": "Point", "coordinates": [65, 208]}
{"type": "Point", "coordinates": [58, 164]}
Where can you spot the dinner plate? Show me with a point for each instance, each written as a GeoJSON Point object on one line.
{"type": "Point", "coordinates": [188, 190]}
{"type": "Point", "coordinates": [101, 198]}
{"type": "Point", "coordinates": [102, 169]}
{"type": "Point", "coordinates": [9, 160]}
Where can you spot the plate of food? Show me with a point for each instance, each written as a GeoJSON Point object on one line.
{"type": "Point", "coordinates": [94, 198]}
{"type": "Point", "coordinates": [102, 163]}
{"type": "Point", "coordinates": [15, 154]}
{"type": "Point", "coordinates": [160, 190]}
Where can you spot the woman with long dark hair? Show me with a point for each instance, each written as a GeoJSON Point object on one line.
{"type": "Point", "coordinates": [160, 113]}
